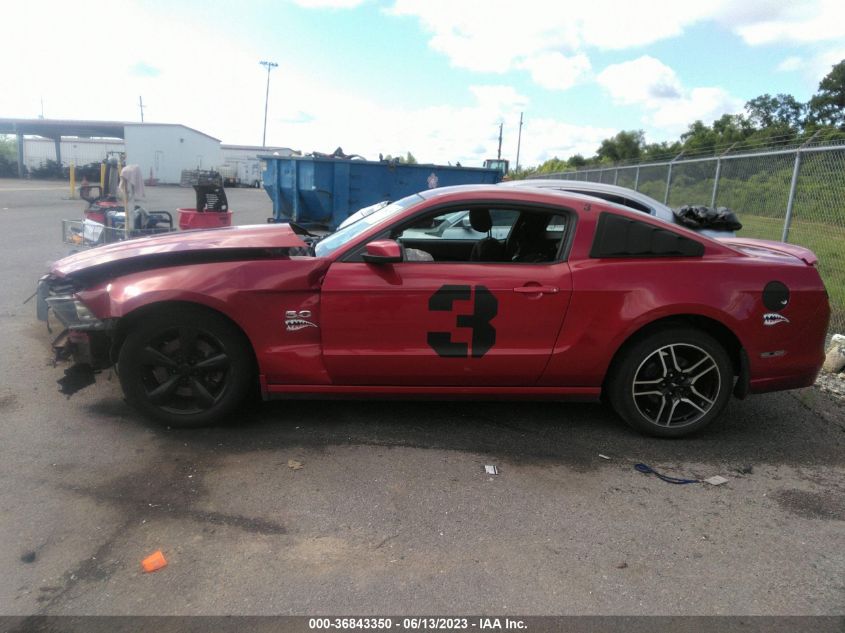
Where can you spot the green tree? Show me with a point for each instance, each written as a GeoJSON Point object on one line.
{"type": "Point", "coordinates": [552, 165]}
{"type": "Point", "coordinates": [662, 150]}
{"type": "Point", "coordinates": [8, 157]}
{"type": "Point", "coordinates": [408, 159]}
{"type": "Point", "coordinates": [827, 106]}
{"type": "Point", "coordinates": [781, 111]}
{"type": "Point", "coordinates": [626, 145]}
{"type": "Point", "coordinates": [725, 131]}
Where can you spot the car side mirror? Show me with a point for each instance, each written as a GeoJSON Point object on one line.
{"type": "Point", "coordinates": [466, 223]}
{"type": "Point", "coordinates": [383, 252]}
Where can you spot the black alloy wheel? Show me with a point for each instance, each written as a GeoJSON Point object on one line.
{"type": "Point", "coordinates": [186, 367]}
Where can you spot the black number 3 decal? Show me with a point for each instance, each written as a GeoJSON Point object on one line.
{"type": "Point", "coordinates": [485, 307]}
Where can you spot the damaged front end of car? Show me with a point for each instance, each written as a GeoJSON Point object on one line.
{"type": "Point", "coordinates": [84, 339]}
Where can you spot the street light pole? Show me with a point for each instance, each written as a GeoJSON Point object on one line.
{"type": "Point", "coordinates": [499, 152]}
{"type": "Point", "coordinates": [270, 66]}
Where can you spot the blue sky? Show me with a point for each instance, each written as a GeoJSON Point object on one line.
{"type": "Point", "coordinates": [433, 77]}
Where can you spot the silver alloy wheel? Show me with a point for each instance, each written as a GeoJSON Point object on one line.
{"type": "Point", "coordinates": [676, 385]}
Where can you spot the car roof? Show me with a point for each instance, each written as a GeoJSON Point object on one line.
{"type": "Point", "coordinates": [585, 185]}
{"type": "Point", "coordinates": [524, 193]}
{"type": "Point", "coordinates": [496, 191]}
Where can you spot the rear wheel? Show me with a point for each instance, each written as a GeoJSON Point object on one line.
{"type": "Point", "coordinates": [185, 367]}
{"type": "Point", "coordinates": [672, 383]}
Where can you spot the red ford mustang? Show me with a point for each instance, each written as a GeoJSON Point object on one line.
{"type": "Point", "coordinates": [568, 297]}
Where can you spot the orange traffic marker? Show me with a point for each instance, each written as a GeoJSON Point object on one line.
{"type": "Point", "coordinates": [154, 561]}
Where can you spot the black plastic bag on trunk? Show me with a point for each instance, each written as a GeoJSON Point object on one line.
{"type": "Point", "coordinates": [701, 217]}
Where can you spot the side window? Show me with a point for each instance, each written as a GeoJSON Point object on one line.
{"type": "Point", "coordinates": [618, 236]}
{"type": "Point", "coordinates": [503, 219]}
{"type": "Point", "coordinates": [461, 225]}
{"type": "Point", "coordinates": [497, 235]}
{"type": "Point", "coordinates": [536, 238]}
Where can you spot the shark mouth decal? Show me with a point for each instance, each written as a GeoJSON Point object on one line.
{"type": "Point", "coordinates": [773, 318]}
{"type": "Point", "coordinates": [298, 320]}
{"type": "Point", "coordinates": [292, 325]}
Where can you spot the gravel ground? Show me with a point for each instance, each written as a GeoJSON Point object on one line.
{"type": "Point", "coordinates": [834, 384]}
{"type": "Point", "coordinates": [391, 511]}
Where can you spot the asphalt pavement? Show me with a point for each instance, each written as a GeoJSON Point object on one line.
{"type": "Point", "coordinates": [326, 507]}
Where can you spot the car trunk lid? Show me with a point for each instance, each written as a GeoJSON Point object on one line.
{"type": "Point", "coordinates": [769, 248]}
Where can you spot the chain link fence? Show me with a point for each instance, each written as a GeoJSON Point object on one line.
{"type": "Point", "coordinates": [795, 195]}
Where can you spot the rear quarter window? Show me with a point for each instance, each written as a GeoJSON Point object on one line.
{"type": "Point", "coordinates": [618, 236]}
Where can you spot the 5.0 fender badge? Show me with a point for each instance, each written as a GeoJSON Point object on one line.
{"type": "Point", "coordinates": [298, 320]}
{"type": "Point", "coordinates": [773, 318]}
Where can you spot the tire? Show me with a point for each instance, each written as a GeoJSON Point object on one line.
{"type": "Point", "coordinates": [669, 402]}
{"type": "Point", "coordinates": [185, 389]}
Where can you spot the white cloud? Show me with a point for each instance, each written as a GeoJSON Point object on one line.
{"type": "Point", "coordinates": [802, 22]}
{"type": "Point", "coordinates": [499, 98]}
{"type": "Point", "coordinates": [329, 4]}
{"type": "Point", "coordinates": [230, 105]}
{"type": "Point", "coordinates": [547, 40]}
{"type": "Point", "coordinates": [548, 138]}
{"type": "Point", "coordinates": [813, 67]}
{"type": "Point", "coordinates": [551, 40]}
{"type": "Point", "coordinates": [433, 134]}
{"type": "Point", "coordinates": [791, 63]}
{"type": "Point", "coordinates": [644, 80]}
{"type": "Point", "coordinates": [822, 63]}
{"type": "Point", "coordinates": [556, 71]}
{"type": "Point", "coordinates": [669, 107]}
{"type": "Point", "coordinates": [707, 104]}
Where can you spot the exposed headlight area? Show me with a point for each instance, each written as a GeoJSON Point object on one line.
{"type": "Point", "coordinates": [74, 314]}
{"type": "Point", "coordinates": [85, 339]}
{"type": "Point", "coordinates": [58, 296]}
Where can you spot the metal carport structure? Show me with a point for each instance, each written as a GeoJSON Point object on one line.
{"type": "Point", "coordinates": [57, 128]}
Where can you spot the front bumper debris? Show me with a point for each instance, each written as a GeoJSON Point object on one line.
{"type": "Point", "coordinates": [76, 377]}
{"type": "Point", "coordinates": [85, 340]}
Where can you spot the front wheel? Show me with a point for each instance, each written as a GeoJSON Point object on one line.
{"type": "Point", "coordinates": [672, 383]}
{"type": "Point", "coordinates": [185, 367]}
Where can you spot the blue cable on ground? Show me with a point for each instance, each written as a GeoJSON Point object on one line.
{"type": "Point", "coordinates": [648, 470]}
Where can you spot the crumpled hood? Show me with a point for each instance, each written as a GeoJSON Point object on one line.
{"type": "Point", "coordinates": [181, 247]}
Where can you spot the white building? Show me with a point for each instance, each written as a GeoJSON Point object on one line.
{"type": "Point", "coordinates": [79, 151]}
{"type": "Point", "coordinates": [163, 150]}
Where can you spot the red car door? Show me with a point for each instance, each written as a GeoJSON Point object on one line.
{"type": "Point", "coordinates": [428, 323]}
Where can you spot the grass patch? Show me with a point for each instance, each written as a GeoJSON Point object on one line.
{"type": "Point", "coordinates": [827, 241]}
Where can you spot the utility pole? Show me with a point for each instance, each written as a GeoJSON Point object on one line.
{"type": "Point", "coordinates": [270, 66]}
{"type": "Point", "coordinates": [141, 105]}
{"type": "Point", "coordinates": [499, 153]}
{"type": "Point", "coordinates": [519, 141]}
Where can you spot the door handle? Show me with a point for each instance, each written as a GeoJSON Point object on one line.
{"type": "Point", "coordinates": [533, 290]}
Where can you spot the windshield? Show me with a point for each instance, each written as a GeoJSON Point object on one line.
{"type": "Point", "coordinates": [362, 213]}
{"type": "Point", "coordinates": [330, 244]}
